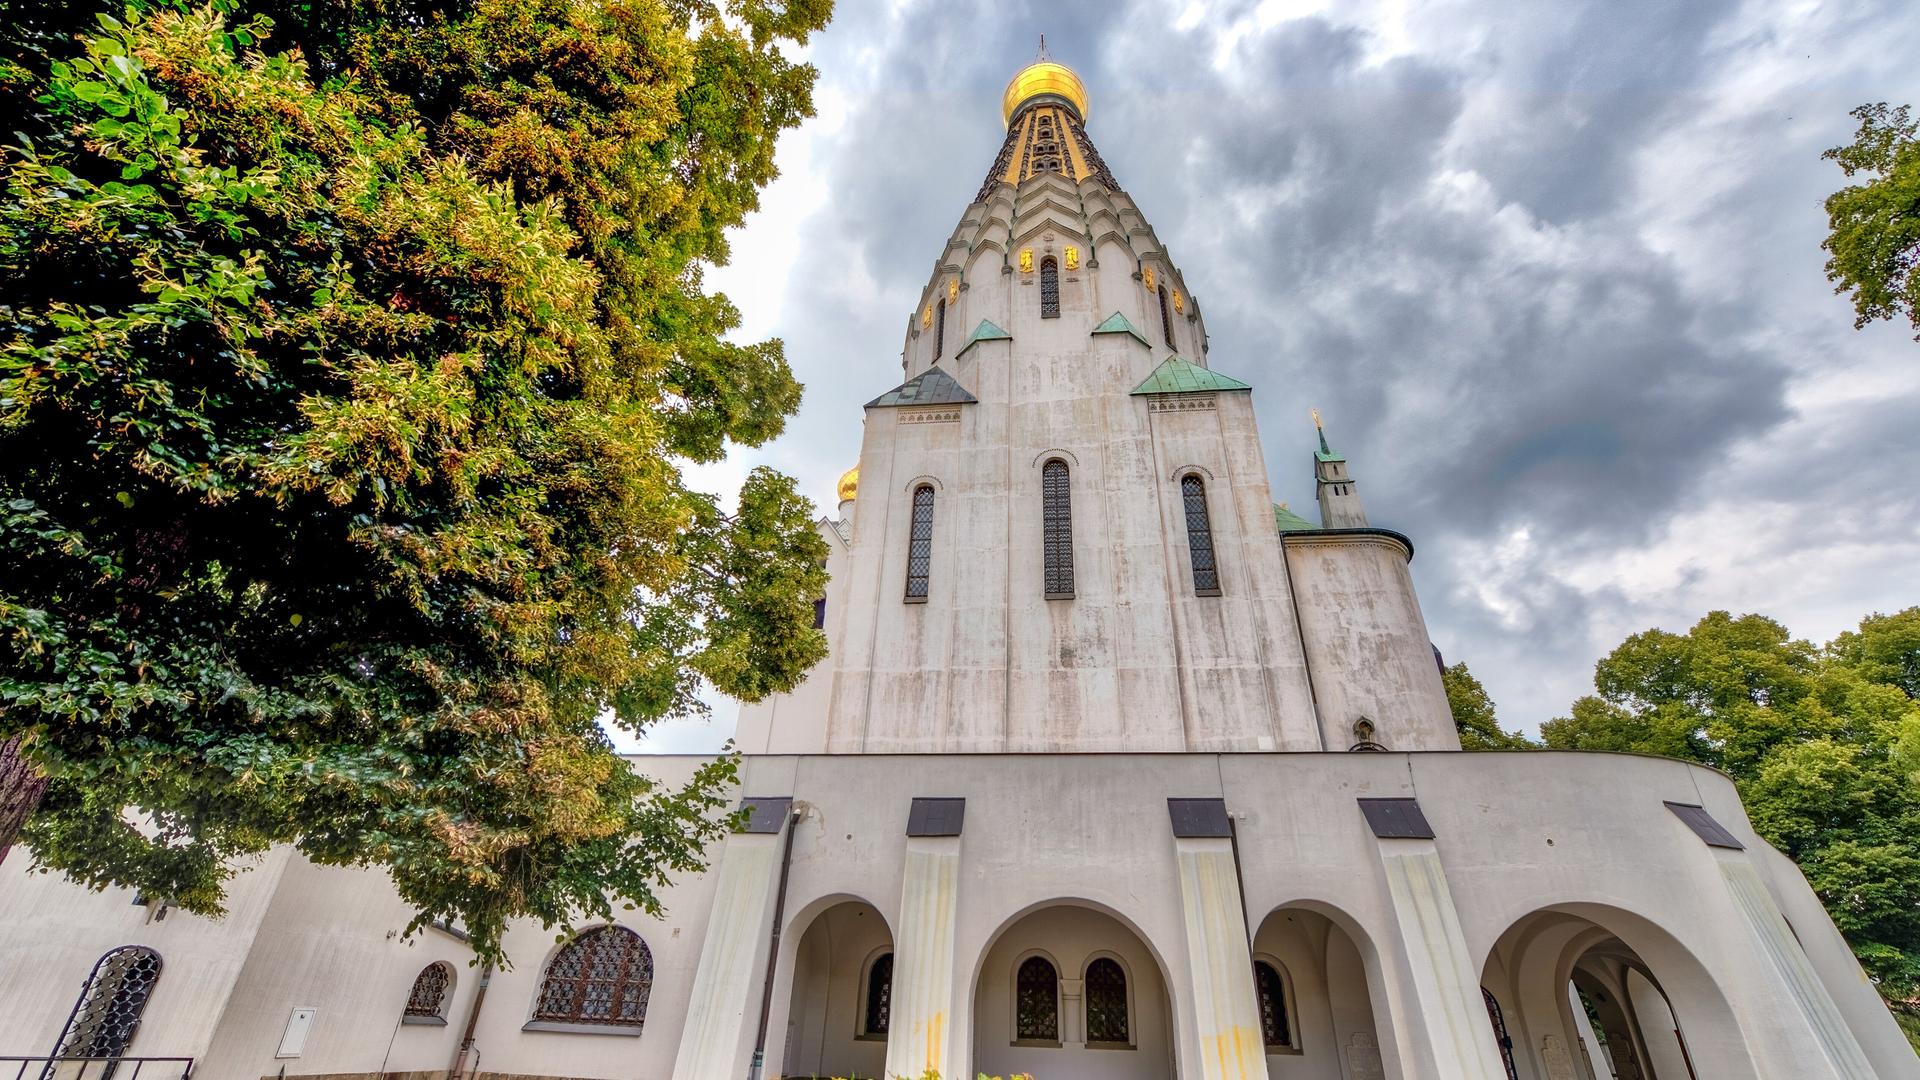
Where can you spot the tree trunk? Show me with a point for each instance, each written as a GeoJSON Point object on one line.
{"type": "Point", "coordinates": [20, 787]}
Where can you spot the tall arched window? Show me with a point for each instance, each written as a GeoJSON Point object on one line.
{"type": "Point", "coordinates": [920, 545]}
{"type": "Point", "coordinates": [1106, 990]}
{"type": "Point", "coordinates": [879, 1011]}
{"type": "Point", "coordinates": [1056, 523]}
{"type": "Point", "coordinates": [1166, 319]}
{"type": "Point", "coordinates": [1193, 500]}
{"type": "Point", "coordinates": [108, 1012]}
{"type": "Point", "coordinates": [603, 976]}
{"type": "Point", "coordinates": [940, 329]}
{"type": "Point", "coordinates": [1276, 1027]}
{"type": "Point", "coordinates": [426, 1004]}
{"type": "Point", "coordinates": [1500, 1036]}
{"type": "Point", "coordinates": [1049, 288]}
{"type": "Point", "coordinates": [1037, 1001]}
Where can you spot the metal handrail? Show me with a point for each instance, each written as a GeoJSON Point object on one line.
{"type": "Point", "coordinates": [109, 1066]}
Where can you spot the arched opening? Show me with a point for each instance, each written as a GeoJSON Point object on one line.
{"type": "Point", "coordinates": [1588, 992]}
{"type": "Point", "coordinates": [842, 1004]}
{"type": "Point", "coordinates": [1071, 992]}
{"type": "Point", "coordinates": [1314, 975]}
{"type": "Point", "coordinates": [108, 1013]}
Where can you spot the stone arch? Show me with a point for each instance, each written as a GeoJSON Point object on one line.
{"type": "Point", "coordinates": [836, 940]}
{"type": "Point", "coordinates": [1557, 962]}
{"type": "Point", "coordinates": [1343, 1018]}
{"type": "Point", "coordinates": [1072, 932]}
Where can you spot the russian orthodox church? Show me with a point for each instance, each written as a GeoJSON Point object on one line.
{"type": "Point", "coordinates": [1117, 769]}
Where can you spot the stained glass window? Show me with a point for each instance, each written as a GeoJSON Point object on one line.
{"type": "Point", "coordinates": [1276, 1028]}
{"type": "Point", "coordinates": [879, 995]}
{"type": "Point", "coordinates": [430, 990]}
{"type": "Point", "coordinates": [1037, 1001]}
{"type": "Point", "coordinates": [1106, 1002]}
{"type": "Point", "coordinates": [1056, 511]}
{"type": "Point", "coordinates": [1049, 288]}
{"type": "Point", "coordinates": [603, 977]}
{"type": "Point", "coordinates": [110, 1005]}
{"type": "Point", "coordinates": [920, 544]}
{"type": "Point", "coordinates": [1206, 573]}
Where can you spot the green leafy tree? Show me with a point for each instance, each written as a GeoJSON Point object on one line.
{"type": "Point", "coordinates": [1823, 742]}
{"type": "Point", "coordinates": [1473, 713]}
{"type": "Point", "coordinates": [1873, 239]}
{"type": "Point", "coordinates": [348, 357]}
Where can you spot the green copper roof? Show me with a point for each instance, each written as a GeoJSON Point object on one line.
{"type": "Point", "coordinates": [931, 387]}
{"type": "Point", "coordinates": [986, 331]}
{"type": "Point", "coordinates": [1286, 520]}
{"type": "Point", "coordinates": [1117, 323]}
{"type": "Point", "coordinates": [1324, 454]}
{"type": "Point", "coordinates": [1178, 375]}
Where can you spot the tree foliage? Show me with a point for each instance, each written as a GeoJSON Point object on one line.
{"type": "Point", "coordinates": [348, 355]}
{"type": "Point", "coordinates": [1873, 242]}
{"type": "Point", "coordinates": [1473, 713]}
{"type": "Point", "coordinates": [1824, 743]}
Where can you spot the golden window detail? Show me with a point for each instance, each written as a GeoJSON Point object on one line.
{"type": "Point", "coordinates": [1026, 260]}
{"type": "Point", "coordinates": [1073, 258]}
{"type": "Point", "coordinates": [1179, 303]}
{"type": "Point", "coordinates": [1147, 277]}
{"type": "Point", "coordinates": [926, 317]}
{"type": "Point", "coordinates": [953, 289]}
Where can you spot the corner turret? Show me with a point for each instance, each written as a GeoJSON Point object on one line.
{"type": "Point", "coordinates": [1339, 497]}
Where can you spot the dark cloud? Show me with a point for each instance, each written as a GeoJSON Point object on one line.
{"type": "Point", "coordinates": [1551, 271]}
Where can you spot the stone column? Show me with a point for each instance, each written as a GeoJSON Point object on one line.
{"type": "Point", "coordinates": [921, 1035]}
{"type": "Point", "coordinates": [1448, 1017]}
{"type": "Point", "coordinates": [1226, 1013]}
{"type": "Point", "coordinates": [724, 1012]}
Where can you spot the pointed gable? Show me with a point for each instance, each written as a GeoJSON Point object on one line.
{"type": "Point", "coordinates": [1287, 521]}
{"type": "Point", "coordinates": [1117, 323]}
{"type": "Point", "coordinates": [1178, 375]}
{"type": "Point", "coordinates": [986, 331]}
{"type": "Point", "coordinates": [931, 387]}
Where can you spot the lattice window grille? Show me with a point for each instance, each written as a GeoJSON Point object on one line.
{"type": "Point", "coordinates": [1276, 1028]}
{"type": "Point", "coordinates": [1106, 991]}
{"type": "Point", "coordinates": [1056, 508]}
{"type": "Point", "coordinates": [108, 1012]}
{"type": "Point", "coordinates": [1037, 1001]}
{"type": "Point", "coordinates": [603, 977]}
{"type": "Point", "coordinates": [940, 329]}
{"type": "Point", "coordinates": [1166, 319]}
{"type": "Point", "coordinates": [1500, 1035]}
{"type": "Point", "coordinates": [429, 993]}
{"type": "Point", "coordinates": [879, 996]}
{"type": "Point", "coordinates": [1193, 500]}
{"type": "Point", "coordinates": [920, 544]}
{"type": "Point", "coordinates": [1049, 288]}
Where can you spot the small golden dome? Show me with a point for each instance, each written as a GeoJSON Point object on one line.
{"type": "Point", "coordinates": [1044, 77]}
{"type": "Point", "coordinates": [849, 484]}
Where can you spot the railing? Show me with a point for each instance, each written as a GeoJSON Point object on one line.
{"type": "Point", "coordinates": [97, 1068]}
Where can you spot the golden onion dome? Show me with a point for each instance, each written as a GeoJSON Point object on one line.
{"type": "Point", "coordinates": [849, 484]}
{"type": "Point", "coordinates": [1044, 77]}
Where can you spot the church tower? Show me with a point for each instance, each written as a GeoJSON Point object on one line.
{"type": "Point", "coordinates": [1064, 539]}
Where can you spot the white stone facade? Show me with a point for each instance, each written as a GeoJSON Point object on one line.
{"type": "Point", "coordinates": [1165, 862]}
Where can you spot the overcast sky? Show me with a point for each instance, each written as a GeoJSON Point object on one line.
{"type": "Point", "coordinates": [1551, 271]}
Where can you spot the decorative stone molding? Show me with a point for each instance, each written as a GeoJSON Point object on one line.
{"type": "Point", "coordinates": [930, 416]}
{"type": "Point", "coordinates": [1182, 403]}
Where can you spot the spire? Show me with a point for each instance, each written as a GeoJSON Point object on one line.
{"type": "Point", "coordinates": [1340, 506]}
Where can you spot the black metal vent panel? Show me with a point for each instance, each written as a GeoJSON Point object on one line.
{"type": "Point", "coordinates": [1703, 826]}
{"type": "Point", "coordinates": [1396, 819]}
{"type": "Point", "coordinates": [1199, 818]}
{"type": "Point", "coordinates": [765, 814]}
{"type": "Point", "coordinates": [936, 817]}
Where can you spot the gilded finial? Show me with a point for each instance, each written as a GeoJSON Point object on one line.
{"type": "Point", "coordinates": [1043, 47]}
{"type": "Point", "coordinates": [1320, 429]}
{"type": "Point", "coordinates": [1315, 413]}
